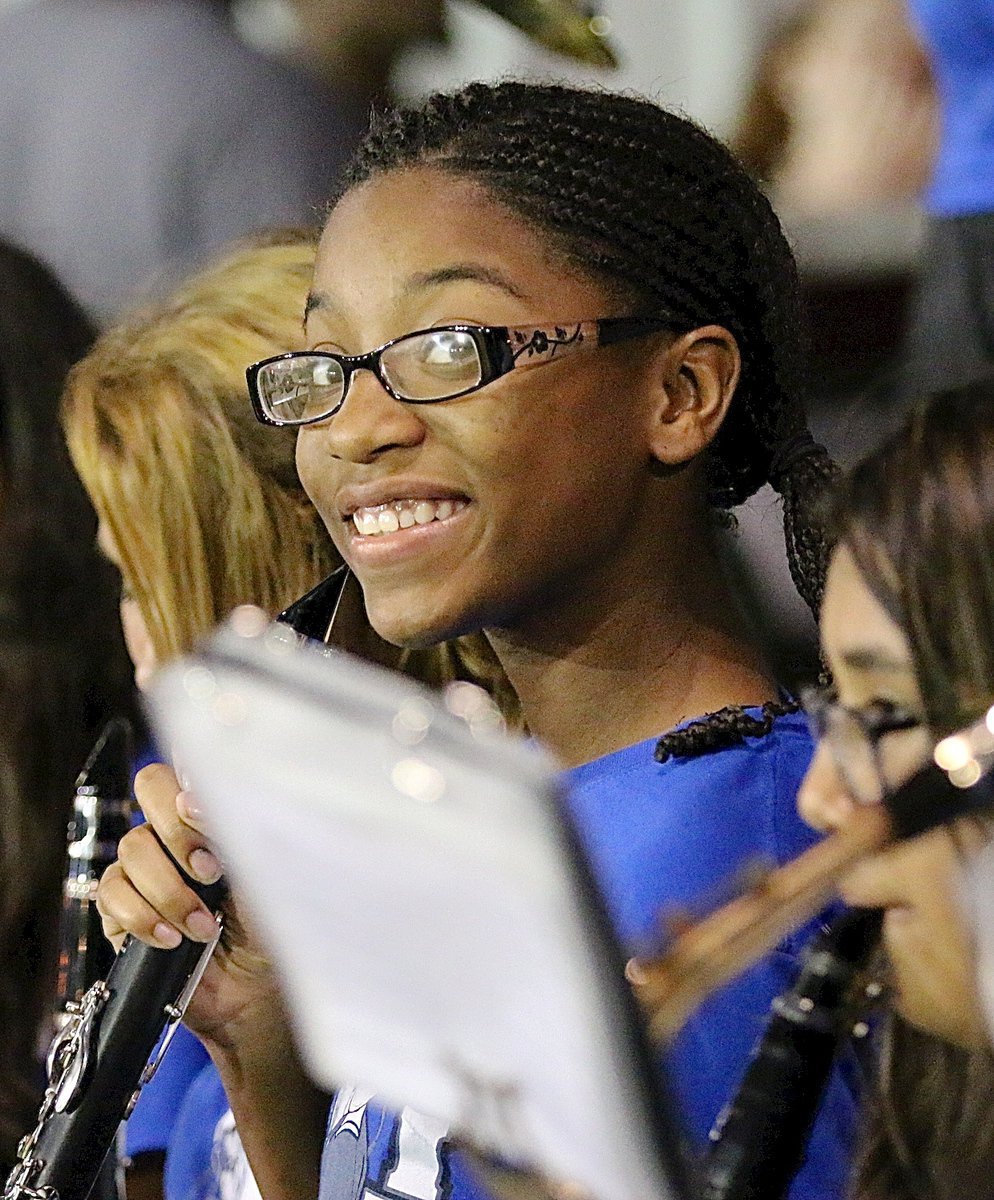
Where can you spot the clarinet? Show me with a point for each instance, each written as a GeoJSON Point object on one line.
{"type": "Point", "coordinates": [101, 816]}
{"type": "Point", "coordinates": [312, 616]}
{"type": "Point", "coordinates": [103, 1056]}
{"type": "Point", "coordinates": [759, 1139]}
{"type": "Point", "coordinates": [100, 1061]}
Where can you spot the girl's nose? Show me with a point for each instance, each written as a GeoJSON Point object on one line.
{"type": "Point", "coordinates": [370, 422]}
{"type": "Point", "coordinates": [823, 800]}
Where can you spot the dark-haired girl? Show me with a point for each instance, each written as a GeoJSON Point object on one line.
{"type": "Point", "coordinates": [908, 630]}
{"type": "Point", "coordinates": [552, 339]}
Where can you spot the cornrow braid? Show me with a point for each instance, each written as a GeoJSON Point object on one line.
{"type": "Point", "coordinates": [663, 215]}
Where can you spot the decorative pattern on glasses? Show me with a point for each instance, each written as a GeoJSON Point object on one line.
{"type": "Point", "coordinates": [423, 367]}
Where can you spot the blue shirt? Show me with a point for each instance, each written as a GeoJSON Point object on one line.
{"type": "Point", "coordinates": [205, 1159]}
{"type": "Point", "coordinates": [657, 836]}
{"type": "Point", "coordinates": [150, 1126]}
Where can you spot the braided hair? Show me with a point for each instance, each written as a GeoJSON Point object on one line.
{"type": "Point", "coordinates": [659, 212]}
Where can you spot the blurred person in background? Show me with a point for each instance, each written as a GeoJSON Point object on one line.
{"type": "Point", "coordinates": [841, 112]}
{"type": "Point", "coordinates": [137, 136]}
{"type": "Point", "coordinates": [154, 421]}
{"type": "Point", "coordinates": [201, 509]}
{"type": "Point", "coordinates": [952, 330]}
{"type": "Point", "coordinates": [839, 125]}
{"type": "Point", "coordinates": [62, 666]}
{"type": "Point", "coordinates": [354, 44]}
{"type": "Point", "coordinates": [908, 633]}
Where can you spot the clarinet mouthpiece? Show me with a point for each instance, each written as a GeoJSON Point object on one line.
{"type": "Point", "coordinates": [313, 615]}
{"type": "Point", "coordinates": [108, 769]}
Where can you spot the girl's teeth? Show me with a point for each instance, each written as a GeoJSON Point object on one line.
{"type": "Point", "coordinates": [404, 515]}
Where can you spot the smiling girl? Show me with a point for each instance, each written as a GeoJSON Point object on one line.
{"type": "Point", "coordinates": [552, 339]}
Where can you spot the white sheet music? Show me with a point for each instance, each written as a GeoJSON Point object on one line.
{"type": "Point", "coordinates": [424, 905]}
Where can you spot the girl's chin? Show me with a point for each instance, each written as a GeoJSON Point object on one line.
{"type": "Point", "coordinates": [399, 629]}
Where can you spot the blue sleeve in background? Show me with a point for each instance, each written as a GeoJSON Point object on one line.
{"type": "Point", "coordinates": [151, 1124]}
{"type": "Point", "coordinates": [195, 1166]}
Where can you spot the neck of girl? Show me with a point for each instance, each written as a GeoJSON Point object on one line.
{"type": "Point", "coordinates": [600, 672]}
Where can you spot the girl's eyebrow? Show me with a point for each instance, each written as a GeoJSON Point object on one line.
{"type": "Point", "coordinates": [457, 272]}
{"type": "Point", "coordinates": [423, 281]}
{"type": "Point", "coordinates": [316, 302]}
{"type": "Point", "coordinates": [874, 658]}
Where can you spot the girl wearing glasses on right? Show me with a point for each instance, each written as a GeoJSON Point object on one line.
{"type": "Point", "coordinates": [908, 632]}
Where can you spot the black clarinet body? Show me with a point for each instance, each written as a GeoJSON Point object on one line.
{"type": "Point", "coordinates": [99, 1064]}
{"type": "Point", "coordinates": [759, 1141]}
{"type": "Point", "coordinates": [102, 810]}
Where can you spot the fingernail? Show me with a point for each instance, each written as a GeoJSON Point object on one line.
{"type": "Point", "coordinates": [188, 806]}
{"type": "Point", "coordinates": [167, 937]}
{"type": "Point", "coordinates": [202, 926]}
{"type": "Point", "coordinates": [204, 866]}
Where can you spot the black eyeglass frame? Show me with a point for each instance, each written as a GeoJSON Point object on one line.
{"type": "Point", "coordinates": [873, 723]}
{"type": "Point", "coordinates": [500, 348]}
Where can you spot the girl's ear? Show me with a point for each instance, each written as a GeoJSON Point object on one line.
{"type": "Point", "coordinates": [694, 379]}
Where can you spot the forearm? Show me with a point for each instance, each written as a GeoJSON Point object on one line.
{"type": "Point", "coordinates": [279, 1113]}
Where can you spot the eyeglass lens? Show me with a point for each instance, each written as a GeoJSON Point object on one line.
{"type": "Point", "coordinates": [426, 366]}
{"type": "Point", "coordinates": [433, 365]}
{"type": "Point", "coordinates": [300, 389]}
{"type": "Point", "coordinates": [853, 753]}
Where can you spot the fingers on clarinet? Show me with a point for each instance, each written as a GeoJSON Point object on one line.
{"type": "Point", "coordinates": [124, 910]}
{"type": "Point", "coordinates": [112, 929]}
{"type": "Point", "coordinates": [147, 871]}
{"type": "Point", "coordinates": [158, 792]}
{"type": "Point", "coordinates": [156, 786]}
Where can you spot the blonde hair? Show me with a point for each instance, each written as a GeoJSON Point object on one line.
{"type": "Point", "coordinates": [202, 502]}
